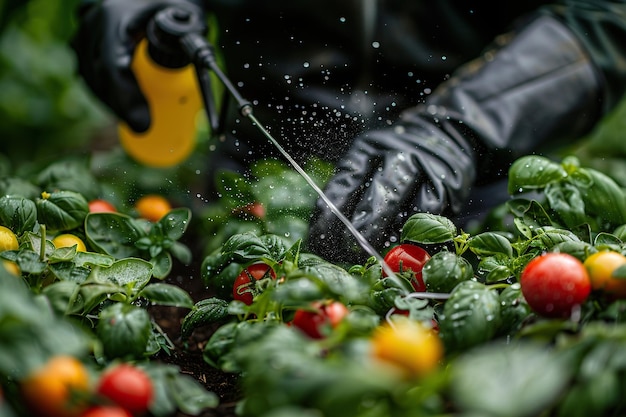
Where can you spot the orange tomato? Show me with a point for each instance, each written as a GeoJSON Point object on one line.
{"type": "Point", "coordinates": [600, 267]}
{"type": "Point", "coordinates": [56, 389]}
{"type": "Point", "coordinates": [152, 207]}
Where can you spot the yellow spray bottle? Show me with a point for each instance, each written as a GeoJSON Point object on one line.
{"type": "Point", "coordinates": [170, 86]}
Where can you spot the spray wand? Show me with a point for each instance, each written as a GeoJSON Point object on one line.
{"type": "Point", "coordinates": [179, 33]}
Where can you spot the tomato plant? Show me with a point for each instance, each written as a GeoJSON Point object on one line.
{"type": "Point", "coordinates": [244, 287]}
{"type": "Point", "coordinates": [319, 321]}
{"type": "Point", "coordinates": [602, 266]}
{"type": "Point", "coordinates": [58, 389]}
{"type": "Point", "coordinates": [101, 206]}
{"type": "Point", "coordinates": [408, 260]}
{"type": "Point", "coordinates": [554, 283]}
{"type": "Point", "coordinates": [127, 386]}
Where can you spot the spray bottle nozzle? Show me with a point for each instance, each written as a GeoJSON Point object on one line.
{"type": "Point", "coordinates": [165, 32]}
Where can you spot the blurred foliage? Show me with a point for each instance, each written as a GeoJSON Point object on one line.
{"type": "Point", "coordinates": [605, 148]}
{"type": "Point", "coordinates": [45, 109]}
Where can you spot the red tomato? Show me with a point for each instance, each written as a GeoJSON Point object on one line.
{"type": "Point", "coordinates": [128, 387]}
{"type": "Point", "coordinates": [106, 411]}
{"type": "Point", "coordinates": [243, 288]}
{"type": "Point", "coordinates": [317, 323]}
{"type": "Point", "coordinates": [408, 259]}
{"type": "Point", "coordinates": [101, 206]}
{"type": "Point", "coordinates": [554, 283]}
{"type": "Point", "coordinates": [255, 209]}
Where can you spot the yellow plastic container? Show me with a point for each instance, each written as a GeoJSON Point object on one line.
{"type": "Point", "coordinates": [175, 100]}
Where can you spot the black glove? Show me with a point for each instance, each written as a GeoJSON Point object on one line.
{"type": "Point", "coordinates": [107, 35]}
{"type": "Point", "coordinates": [538, 86]}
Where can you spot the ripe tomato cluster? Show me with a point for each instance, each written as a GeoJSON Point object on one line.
{"type": "Point", "coordinates": [62, 388]}
{"type": "Point", "coordinates": [554, 284]}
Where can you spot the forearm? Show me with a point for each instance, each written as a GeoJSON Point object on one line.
{"type": "Point", "coordinates": [537, 87]}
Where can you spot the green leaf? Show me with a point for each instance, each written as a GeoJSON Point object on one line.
{"type": "Point", "coordinates": [605, 199]}
{"type": "Point", "coordinates": [567, 202]}
{"type": "Point", "coordinates": [427, 229]}
{"type": "Point", "coordinates": [62, 296]}
{"type": "Point", "coordinates": [529, 215]}
{"type": "Point", "coordinates": [276, 246]}
{"type": "Point", "coordinates": [548, 237]}
{"type": "Point", "coordinates": [335, 279]}
{"type": "Point", "coordinates": [607, 240]}
{"type": "Point", "coordinates": [15, 186]}
{"type": "Point", "coordinates": [513, 310]}
{"type": "Point", "coordinates": [445, 270]}
{"type": "Point", "coordinates": [29, 262]}
{"type": "Point", "coordinates": [385, 291]}
{"type": "Point", "coordinates": [18, 213]}
{"type": "Point", "coordinates": [496, 268]}
{"type": "Point", "coordinates": [92, 259]}
{"type": "Point", "coordinates": [68, 271]}
{"type": "Point", "coordinates": [61, 210]}
{"type": "Point", "coordinates": [533, 172]}
{"type": "Point", "coordinates": [515, 380]}
{"type": "Point", "coordinates": [162, 265]}
{"type": "Point", "coordinates": [490, 243]}
{"type": "Point", "coordinates": [166, 294]}
{"type": "Point", "coordinates": [114, 234]}
{"type": "Point", "coordinates": [132, 272]}
{"type": "Point", "coordinates": [70, 174]}
{"type": "Point", "coordinates": [246, 247]}
{"type": "Point", "coordinates": [471, 316]}
{"type": "Point", "coordinates": [124, 330]}
{"type": "Point", "coordinates": [620, 232]}
{"type": "Point", "coordinates": [191, 397]}
{"type": "Point", "coordinates": [295, 291]}
{"type": "Point", "coordinates": [204, 312]}
{"type": "Point", "coordinates": [175, 223]}
{"type": "Point", "coordinates": [181, 252]}
{"type": "Point", "coordinates": [93, 294]}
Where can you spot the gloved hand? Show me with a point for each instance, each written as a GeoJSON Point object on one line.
{"type": "Point", "coordinates": [538, 86]}
{"type": "Point", "coordinates": [105, 41]}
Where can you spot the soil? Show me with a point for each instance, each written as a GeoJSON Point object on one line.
{"type": "Point", "coordinates": [187, 354]}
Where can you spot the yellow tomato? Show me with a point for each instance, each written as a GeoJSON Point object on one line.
{"type": "Point", "coordinates": [152, 207]}
{"type": "Point", "coordinates": [56, 389]}
{"type": "Point", "coordinates": [67, 240]}
{"type": "Point", "coordinates": [8, 240]}
{"type": "Point", "coordinates": [600, 267]}
{"type": "Point", "coordinates": [409, 346]}
{"type": "Point", "coordinates": [11, 267]}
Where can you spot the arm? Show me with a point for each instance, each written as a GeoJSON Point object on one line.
{"type": "Point", "coordinates": [538, 85]}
